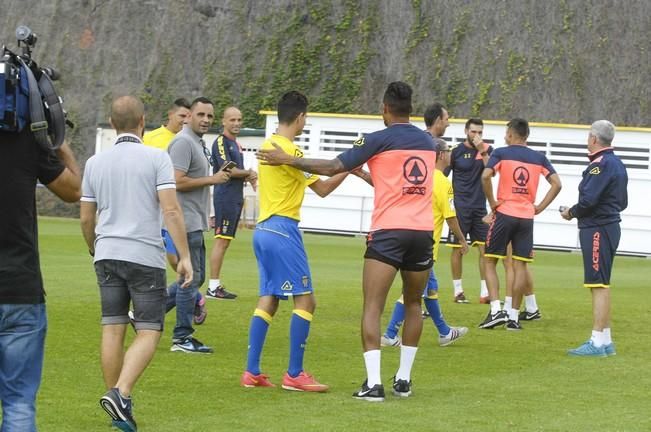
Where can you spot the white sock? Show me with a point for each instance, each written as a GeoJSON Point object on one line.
{"type": "Point", "coordinates": [483, 290]}
{"type": "Point", "coordinates": [213, 284]}
{"type": "Point", "coordinates": [530, 303]}
{"type": "Point", "coordinates": [508, 302]}
{"type": "Point", "coordinates": [513, 314]}
{"type": "Point", "coordinates": [597, 338]}
{"type": "Point", "coordinates": [458, 287]}
{"type": "Point", "coordinates": [407, 356]}
{"type": "Point", "coordinates": [372, 360]}
{"type": "Point", "coordinates": [607, 338]}
{"type": "Point", "coordinates": [495, 307]}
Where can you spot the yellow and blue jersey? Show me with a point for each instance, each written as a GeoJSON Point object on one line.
{"type": "Point", "coordinates": [282, 188]}
{"type": "Point", "coordinates": [442, 206]}
{"type": "Point", "coordinates": [159, 138]}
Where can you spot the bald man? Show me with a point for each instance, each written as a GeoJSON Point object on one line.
{"type": "Point", "coordinates": [128, 251]}
{"type": "Point", "coordinates": [228, 198]}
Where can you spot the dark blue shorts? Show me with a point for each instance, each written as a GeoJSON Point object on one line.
{"type": "Point", "coordinates": [227, 218]}
{"type": "Point", "coordinates": [282, 261]}
{"type": "Point", "coordinates": [509, 229]}
{"type": "Point", "coordinates": [472, 225]}
{"type": "Point", "coordinates": [599, 245]}
{"type": "Point", "coordinates": [409, 250]}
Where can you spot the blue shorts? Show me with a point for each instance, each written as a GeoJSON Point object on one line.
{"type": "Point", "coordinates": [599, 245]}
{"type": "Point", "coordinates": [282, 262]}
{"type": "Point", "coordinates": [227, 218]}
{"type": "Point", "coordinates": [509, 229]}
{"type": "Point", "coordinates": [169, 244]}
{"type": "Point", "coordinates": [472, 225]}
{"type": "Point", "coordinates": [409, 250]}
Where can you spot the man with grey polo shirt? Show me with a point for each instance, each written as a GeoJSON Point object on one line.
{"type": "Point", "coordinates": [126, 188]}
{"type": "Point", "coordinates": [191, 161]}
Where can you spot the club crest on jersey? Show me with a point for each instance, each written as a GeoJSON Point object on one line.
{"type": "Point", "coordinates": [595, 171]}
{"type": "Point", "coordinates": [414, 170]}
{"type": "Point", "coordinates": [521, 179]}
{"type": "Point", "coordinates": [287, 286]}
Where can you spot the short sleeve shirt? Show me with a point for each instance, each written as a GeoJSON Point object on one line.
{"type": "Point", "coordinates": [401, 160]}
{"type": "Point", "coordinates": [520, 169]}
{"type": "Point", "coordinates": [225, 149]}
{"type": "Point", "coordinates": [188, 156]}
{"type": "Point", "coordinates": [467, 165]}
{"type": "Point", "coordinates": [23, 163]}
{"type": "Point", "coordinates": [282, 188]}
{"type": "Point", "coordinates": [124, 182]}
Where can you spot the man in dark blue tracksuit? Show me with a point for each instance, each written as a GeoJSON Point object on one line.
{"type": "Point", "coordinates": [602, 196]}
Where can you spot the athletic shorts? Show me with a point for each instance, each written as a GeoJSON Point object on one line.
{"type": "Point", "coordinates": [227, 218]}
{"type": "Point", "coordinates": [472, 225]}
{"type": "Point", "coordinates": [599, 245]}
{"type": "Point", "coordinates": [169, 244]}
{"type": "Point", "coordinates": [508, 229]}
{"type": "Point", "coordinates": [409, 250]}
{"type": "Point", "coordinates": [122, 282]}
{"type": "Point", "coordinates": [282, 261]}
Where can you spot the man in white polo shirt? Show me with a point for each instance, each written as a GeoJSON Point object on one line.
{"type": "Point", "coordinates": [124, 190]}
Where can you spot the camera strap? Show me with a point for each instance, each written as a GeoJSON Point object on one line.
{"type": "Point", "coordinates": [38, 123]}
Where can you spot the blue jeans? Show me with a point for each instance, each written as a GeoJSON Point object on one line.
{"type": "Point", "coordinates": [22, 338]}
{"type": "Point", "coordinates": [185, 298]}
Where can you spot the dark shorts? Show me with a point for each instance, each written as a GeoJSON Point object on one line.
{"type": "Point", "coordinates": [599, 245]}
{"type": "Point", "coordinates": [227, 217]}
{"type": "Point", "coordinates": [168, 242]}
{"type": "Point", "coordinates": [508, 229]}
{"type": "Point", "coordinates": [121, 282]}
{"type": "Point", "coordinates": [408, 250]}
{"type": "Point", "coordinates": [472, 225]}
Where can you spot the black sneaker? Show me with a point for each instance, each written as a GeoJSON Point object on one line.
{"type": "Point", "coordinates": [529, 316]}
{"type": "Point", "coordinates": [191, 345]}
{"type": "Point", "coordinates": [495, 320]}
{"type": "Point", "coordinates": [220, 293]}
{"type": "Point", "coordinates": [513, 325]}
{"type": "Point", "coordinates": [119, 409]}
{"type": "Point", "coordinates": [401, 387]}
{"type": "Point", "coordinates": [375, 394]}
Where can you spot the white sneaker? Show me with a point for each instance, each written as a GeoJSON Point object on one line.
{"type": "Point", "coordinates": [386, 341]}
{"type": "Point", "coordinates": [455, 334]}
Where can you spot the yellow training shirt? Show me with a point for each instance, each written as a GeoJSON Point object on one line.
{"type": "Point", "coordinates": [159, 138]}
{"type": "Point", "coordinates": [442, 206]}
{"type": "Point", "coordinates": [282, 188]}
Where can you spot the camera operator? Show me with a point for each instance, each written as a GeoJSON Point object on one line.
{"type": "Point", "coordinates": [23, 321]}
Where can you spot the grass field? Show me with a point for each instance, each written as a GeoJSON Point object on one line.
{"type": "Point", "coordinates": [489, 381]}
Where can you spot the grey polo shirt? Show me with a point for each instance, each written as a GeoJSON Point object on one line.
{"type": "Point", "coordinates": [124, 182]}
{"type": "Point", "coordinates": [187, 152]}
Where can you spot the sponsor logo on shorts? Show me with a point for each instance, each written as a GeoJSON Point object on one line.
{"type": "Point", "coordinates": [287, 286]}
{"type": "Point", "coordinates": [596, 240]}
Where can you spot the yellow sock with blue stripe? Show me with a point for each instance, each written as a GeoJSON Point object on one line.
{"type": "Point", "coordinates": [299, 329]}
{"type": "Point", "coordinates": [397, 318]}
{"type": "Point", "coordinates": [257, 335]}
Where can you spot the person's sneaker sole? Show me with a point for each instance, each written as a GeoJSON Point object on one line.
{"type": "Point", "coordinates": [176, 348]}
{"type": "Point", "coordinates": [112, 410]}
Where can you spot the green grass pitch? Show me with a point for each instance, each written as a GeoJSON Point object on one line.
{"type": "Point", "coordinates": [489, 381]}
